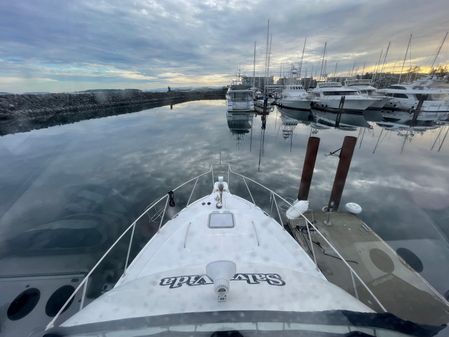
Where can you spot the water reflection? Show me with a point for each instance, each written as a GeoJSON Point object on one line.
{"type": "Point", "coordinates": [240, 124]}
{"type": "Point", "coordinates": [105, 171]}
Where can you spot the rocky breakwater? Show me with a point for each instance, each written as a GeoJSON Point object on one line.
{"type": "Point", "coordinates": [24, 112]}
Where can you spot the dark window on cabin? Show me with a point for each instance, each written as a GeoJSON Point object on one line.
{"type": "Point", "coordinates": [400, 96]}
{"type": "Point", "coordinates": [339, 93]}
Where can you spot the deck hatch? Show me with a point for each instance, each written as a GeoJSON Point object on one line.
{"type": "Point", "coordinates": [221, 220]}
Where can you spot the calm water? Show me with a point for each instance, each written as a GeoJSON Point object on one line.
{"type": "Point", "coordinates": [107, 170]}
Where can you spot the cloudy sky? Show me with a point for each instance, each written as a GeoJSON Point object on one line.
{"type": "Point", "coordinates": [52, 45]}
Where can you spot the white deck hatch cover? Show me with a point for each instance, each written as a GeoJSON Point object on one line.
{"type": "Point", "coordinates": [221, 220]}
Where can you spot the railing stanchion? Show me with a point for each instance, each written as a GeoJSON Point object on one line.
{"type": "Point", "coordinates": [163, 213]}
{"type": "Point", "coordinates": [353, 285]}
{"type": "Point", "coordinates": [311, 244]}
{"type": "Point", "coordinates": [83, 296]}
{"type": "Point", "coordinates": [277, 210]}
{"type": "Point", "coordinates": [129, 247]}
{"type": "Point", "coordinates": [213, 178]}
{"type": "Point", "coordinates": [250, 194]}
{"type": "Point", "coordinates": [191, 193]}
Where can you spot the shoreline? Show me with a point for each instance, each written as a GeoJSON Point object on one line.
{"type": "Point", "coordinates": [26, 112]}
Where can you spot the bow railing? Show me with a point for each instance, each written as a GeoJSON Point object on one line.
{"type": "Point", "coordinates": [95, 283]}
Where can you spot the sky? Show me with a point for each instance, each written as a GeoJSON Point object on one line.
{"type": "Point", "coordinates": [60, 46]}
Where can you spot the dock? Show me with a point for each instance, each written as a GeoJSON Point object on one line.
{"type": "Point", "coordinates": [400, 289]}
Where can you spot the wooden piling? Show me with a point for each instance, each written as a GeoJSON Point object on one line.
{"type": "Point", "coordinates": [342, 172]}
{"type": "Point", "coordinates": [309, 165]}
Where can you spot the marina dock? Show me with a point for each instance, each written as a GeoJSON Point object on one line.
{"type": "Point", "coordinates": [400, 289]}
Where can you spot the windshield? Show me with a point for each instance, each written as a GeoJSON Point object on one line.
{"type": "Point", "coordinates": [240, 96]}
{"type": "Point", "coordinates": [340, 93]}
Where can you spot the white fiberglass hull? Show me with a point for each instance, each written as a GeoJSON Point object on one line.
{"type": "Point", "coordinates": [299, 104]}
{"type": "Point", "coordinates": [379, 102]}
{"type": "Point", "coordinates": [240, 105]}
{"type": "Point", "coordinates": [352, 104]}
{"type": "Point", "coordinates": [439, 108]}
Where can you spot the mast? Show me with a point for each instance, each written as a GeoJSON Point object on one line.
{"type": "Point", "coordinates": [378, 64]}
{"type": "Point", "coordinates": [322, 60]}
{"type": "Point", "coordinates": [385, 58]}
{"type": "Point", "coordinates": [269, 58]}
{"type": "Point", "coordinates": [302, 57]}
{"type": "Point", "coordinates": [254, 66]}
{"type": "Point", "coordinates": [438, 52]}
{"type": "Point", "coordinates": [266, 55]}
{"type": "Point", "coordinates": [352, 71]}
{"type": "Point", "coordinates": [405, 57]}
{"type": "Point", "coordinates": [335, 69]}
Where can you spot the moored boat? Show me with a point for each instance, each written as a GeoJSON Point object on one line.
{"type": "Point", "coordinates": [224, 265]}
{"type": "Point", "coordinates": [333, 97]}
{"type": "Point", "coordinates": [295, 97]}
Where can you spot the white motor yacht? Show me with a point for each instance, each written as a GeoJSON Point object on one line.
{"type": "Point", "coordinates": [365, 87]}
{"type": "Point", "coordinates": [406, 97]}
{"type": "Point", "coordinates": [333, 97]}
{"type": "Point", "coordinates": [224, 267]}
{"type": "Point", "coordinates": [295, 97]}
{"type": "Point", "coordinates": [239, 98]}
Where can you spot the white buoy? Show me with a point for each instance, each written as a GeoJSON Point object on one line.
{"type": "Point", "coordinates": [299, 207]}
{"type": "Point", "coordinates": [353, 208]}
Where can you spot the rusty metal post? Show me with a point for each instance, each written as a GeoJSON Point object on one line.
{"type": "Point", "coordinates": [309, 165]}
{"type": "Point", "coordinates": [342, 172]}
{"type": "Point", "coordinates": [417, 111]}
{"type": "Point", "coordinates": [340, 111]}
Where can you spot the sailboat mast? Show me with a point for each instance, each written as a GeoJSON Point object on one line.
{"type": "Point", "coordinates": [322, 60]}
{"type": "Point", "coordinates": [376, 69]}
{"type": "Point", "coordinates": [302, 57]}
{"type": "Point", "coordinates": [438, 52]}
{"type": "Point", "coordinates": [254, 66]}
{"type": "Point", "coordinates": [266, 54]}
{"type": "Point", "coordinates": [405, 57]}
{"type": "Point", "coordinates": [385, 59]}
{"type": "Point", "coordinates": [269, 57]}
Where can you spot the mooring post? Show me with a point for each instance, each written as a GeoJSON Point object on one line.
{"type": "Point", "coordinates": [416, 112]}
{"type": "Point", "coordinates": [340, 111]}
{"type": "Point", "coordinates": [342, 172]}
{"type": "Point", "coordinates": [309, 165]}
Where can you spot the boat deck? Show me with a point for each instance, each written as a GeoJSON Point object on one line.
{"type": "Point", "coordinates": [400, 289]}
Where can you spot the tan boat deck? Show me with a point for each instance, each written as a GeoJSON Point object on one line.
{"type": "Point", "coordinates": [398, 287]}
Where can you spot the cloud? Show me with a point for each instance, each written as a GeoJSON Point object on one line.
{"type": "Point", "coordinates": [89, 42]}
